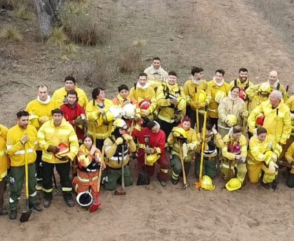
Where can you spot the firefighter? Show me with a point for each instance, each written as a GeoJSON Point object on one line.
{"type": "Point", "coordinates": [171, 103]}
{"type": "Point", "coordinates": [21, 147]}
{"type": "Point", "coordinates": [243, 83]}
{"type": "Point", "coordinates": [59, 96]}
{"type": "Point", "coordinates": [290, 159]}
{"type": "Point", "coordinates": [213, 141]}
{"type": "Point", "coordinates": [277, 119]}
{"type": "Point", "coordinates": [218, 90]}
{"type": "Point", "coordinates": [182, 136]}
{"type": "Point", "coordinates": [40, 112]}
{"type": "Point", "coordinates": [60, 145]}
{"type": "Point", "coordinates": [231, 111]}
{"type": "Point", "coordinates": [155, 150]}
{"type": "Point", "coordinates": [262, 156]}
{"type": "Point", "coordinates": [89, 163]}
{"type": "Point", "coordinates": [144, 94]}
{"type": "Point", "coordinates": [99, 116]}
{"type": "Point", "coordinates": [155, 73]}
{"type": "Point", "coordinates": [275, 84]}
{"type": "Point", "coordinates": [4, 165]}
{"type": "Point", "coordinates": [197, 92]}
{"type": "Point", "coordinates": [290, 104]}
{"type": "Point", "coordinates": [116, 159]}
{"type": "Point", "coordinates": [234, 153]}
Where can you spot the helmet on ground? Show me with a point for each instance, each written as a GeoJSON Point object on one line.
{"type": "Point", "coordinates": [264, 89]}
{"type": "Point", "coordinates": [144, 104]}
{"type": "Point", "coordinates": [233, 184]}
{"type": "Point", "coordinates": [233, 120]}
{"type": "Point", "coordinates": [207, 184]}
{"type": "Point", "coordinates": [120, 123]}
{"type": "Point", "coordinates": [151, 159]}
{"type": "Point", "coordinates": [63, 150]}
{"type": "Point", "coordinates": [179, 132]}
{"type": "Point", "coordinates": [219, 96]}
{"type": "Point", "coordinates": [242, 94]}
{"type": "Point", "coordinates": [129, 110]}
{"type": "Point", "coordinates": [260, 119]}
{"type": "Point", "coordinates": [84, 199]}
{"type": "Point", "coordinates": [202, 96]}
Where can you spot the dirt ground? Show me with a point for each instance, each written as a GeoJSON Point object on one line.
{"type": "Point", "coordinates": [226, 34]}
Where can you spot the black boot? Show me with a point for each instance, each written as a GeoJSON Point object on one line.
{"type": "Point", "coordinates": [161, 181]}
{"type": "Point", "coordinates": [265, 185]}
{"type": "Point", "coordinates": [275, 185]}
{"type": "Point", "coordinates": [175, 181]}
{"type": "Point", "coordinates": [69, 201]}
{"type": "Point", "coordinates": [47, 203]}
{"type": "Point", "coordinates": [12, 214]}
{"type": "Point", "coordinates": [35, 207]}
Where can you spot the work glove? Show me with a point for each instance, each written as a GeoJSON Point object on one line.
{"type": "Point", "coordinates": [149, 150]}
{"type": "Point", "coordinates": [214, 131]}
{"type": "Point", "coordinates": [191, 146]}
{"type": "Point", "coordinates": [53, 149]}
{"type": "Point", "coordinates": [178, 117]}
{"type": "Point", "coordinates": [245, 114]}
{"type": "Point", "coordinates": [127, 137]}
{"type": "Point", "coordinates": [25, 138]}
{"type": "Point", "coordinates": [174, 102]}
{"type": "Point", "coordinates": [119, 141]}
{"type": "Point", "coordinates": [43, 119]}
{"type": "Point", "coordinates": [272, 167]}
{"type": "Point", "coordinates": [79, 121]}
{"type": "Point", "coordinates": [145, 113]}
{"type": "Point", "coordinates": [197, 105]}
{"type": "Point", "coordinates": [274, 157]}
{"type": "Point", "coordinates": [185, 150]}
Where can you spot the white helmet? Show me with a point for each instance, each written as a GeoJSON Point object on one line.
{"type": "Point", "coordinates": [84, 199]}
{"type": "Point", "coordinates": [117, 112]}
{"type": "Point", "coordinates": [129, 110]}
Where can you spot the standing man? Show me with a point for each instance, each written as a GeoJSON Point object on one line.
{"type": "Point", "coordinates": [99, 117]}
{"type": "Point", "coordinates": [59, 95]}
{"type": "Point", "coordinates": [155, 73]}
{"type": "Point", "coordinates": [197, 92]}
{"type": "Point", "coordinates": [171, 103]}
{"type": "Point", "coordinates": [4, 165]}
{"type": "Point", "coordinates": [243, 83]}
{"type": "Point", "coordinates": [218, 89]}
{"type": "Point", "coordinates": [21, 146]}
{"type": "Point", "coordinates": [142, 92]}
{"type": "Point", "coordinates": [277, 119]}
{"type": "Point", "coordinates": [40, 112]}
{"type": "Point", "coordinates": [53, 133]}
{"type": "Point", "coordinates": [75, 114]}
{"type": "Point", "coordinates": [275, 84]}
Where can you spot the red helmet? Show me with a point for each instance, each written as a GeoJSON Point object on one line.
{"type": "Point", "coordinates": [242, 94]}
{"type": "Point", "coordinates": [260, 119]}
{"type": "Point", "coordinates": [144, 104]}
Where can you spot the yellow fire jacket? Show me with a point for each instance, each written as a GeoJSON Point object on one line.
{"type": "Point", "coordinates": [289, 155]}
{"type": "Point", "coordinates": [237, 82]}
{"type": "Point", "coordinates": [213, 89]}
{"type": "Point", "coordinates": [290, 104]}
{"type": "Point", "coordinates": [4, 161]}
{"type": "Point", "coordinates": [61, 93]}
{"type": "Point", "coordinates": [277, 121]}
{"type": "Point", "coordinates": [257, 149]}
{"type": "Point", "coordinates": [38, 111]}
{"type": "Point", "coordinates": [255, 98]}
{"type": "Point", "coordinates": [228, 140]}
{"type": "Point", "coordinates": [190, 88]}
{"type": "Point", "coordinates": [216, 139]}
{"type": "Point", "coordinates": [155, 77]}
{"type": "Point", "coordinates": [165, 111]}
{"type": "Point", "coordinates": [49, 134]}
{"type": "Point", "coordinates": [16, 150]}
{"type": "Point", "coordinates": [97, 128]}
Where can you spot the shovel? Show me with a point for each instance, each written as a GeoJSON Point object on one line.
{"type": "Point", "coordinates": [185, 186]}
{"type": "Point", "coordinates": [97, 204]}
{"type": "Point", "coordinates": [143, 177]}
{"type": "Point", "coordinates": [25, 216]}
{"type": "Point", "coordinates": [122, 191]}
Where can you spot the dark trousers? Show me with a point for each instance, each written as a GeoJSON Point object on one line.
{"type": "Point", "coordinates": [2, 190]}
{"type": "Point", "coordinates": [63, 171]}
{"type": "Point", "coordinates": [39, 165]}
{"type": "Point", "coordinates": [99, 144]}
{"type": "Point", "coordinates": [166, 127]}
{"type": "Point", "coordinates": [192, 114]}
{"type": "Point", "coordinates": [290, 180]}
{"type": "Point", "coordinates": [213, 122]}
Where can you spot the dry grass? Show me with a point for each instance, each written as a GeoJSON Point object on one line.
{"type": "Point", "coordinates": [22, 11]}
{"type": "Point", "coordinates": [131, 59]}
{"type": "Point", "coordinates": [11, 33]}
{"type": "Point", "coordinates": [58, 37]}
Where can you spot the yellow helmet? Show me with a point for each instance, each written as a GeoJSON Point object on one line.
{"type": "Point", "coordinates": [219, 96]}
{"type": "Point", "coordinates": [233, 185]}
{"type": "Point", "coordinates": [233, 120]}
{"type": "Point", "coordinates": [265, 89]}
{"type": "Point", "coordinates": [207, 184]}
{"type": "Point", "coordinates": [120, 123]}
{"type": "Point", "coordinates": [202, 96]}
{"type": "Point", "coordinates": [151, 159]}
{"type": "Point", "coordinates": [179, 132]}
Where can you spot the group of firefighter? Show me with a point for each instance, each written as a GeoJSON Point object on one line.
{"type": "Point", "coordinates": [239, 127]}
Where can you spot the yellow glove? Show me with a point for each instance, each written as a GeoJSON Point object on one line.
{"type": "Point", "coordinates": [174, 102]}
{"type": "Point", "coordinates": [43, 119]}
{"type": "Point", "coordinates": [245, 113]}
{"type": "Point", "coordinates": [274, 157]}
{"type": "Point", "coordinates": [145, 113]}
{"type": "Point", "coordinates": [185, 150]}
{"type": "Point", "coordinates": [25, 138]}
{"type": "Point", "coordinates": [127, 137]}
{"type": "Point", "coordinates": [197, 105]}
{"type": "Point", "coordinates": [191, 146]}
{"type": "Point", "coordinates": [119, 141]}
{"type": "Point", "coordinates": [272, 167]}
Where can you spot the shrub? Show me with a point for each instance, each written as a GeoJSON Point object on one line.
{"type": "Point", "coordinates": [11, 33]}
{"type": "Point", "coordinates": [58, 37]}
{"type": "Point", "coordinates": [23, 12]}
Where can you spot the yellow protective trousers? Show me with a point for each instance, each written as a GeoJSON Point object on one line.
{"type": "Point", "coordinates": [255, 171]}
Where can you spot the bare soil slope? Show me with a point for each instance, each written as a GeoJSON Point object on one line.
{"type": "Point", "coordinates": [226, 34]}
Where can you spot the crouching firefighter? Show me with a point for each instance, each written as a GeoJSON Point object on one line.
{"type": "Point", "coordinates": [90, 161]}
{"type": "Point", "coordinates": [234, 153]}
{"type": "Point", "coordinates": [262, 157]}
{"type": "Point", "coordinates": [116, 160]}
{"type": "Point", "coordinates": [182, 136]}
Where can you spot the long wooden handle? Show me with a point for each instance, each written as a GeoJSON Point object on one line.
{"type": "Point", "coordinates": [182, 162]}
{"type": "Point", "coordinates": [100, 170]}
{"type": "Point", "coordinates": [26, 172]}
{"type": "Point", "coordinates": [202, 148]}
